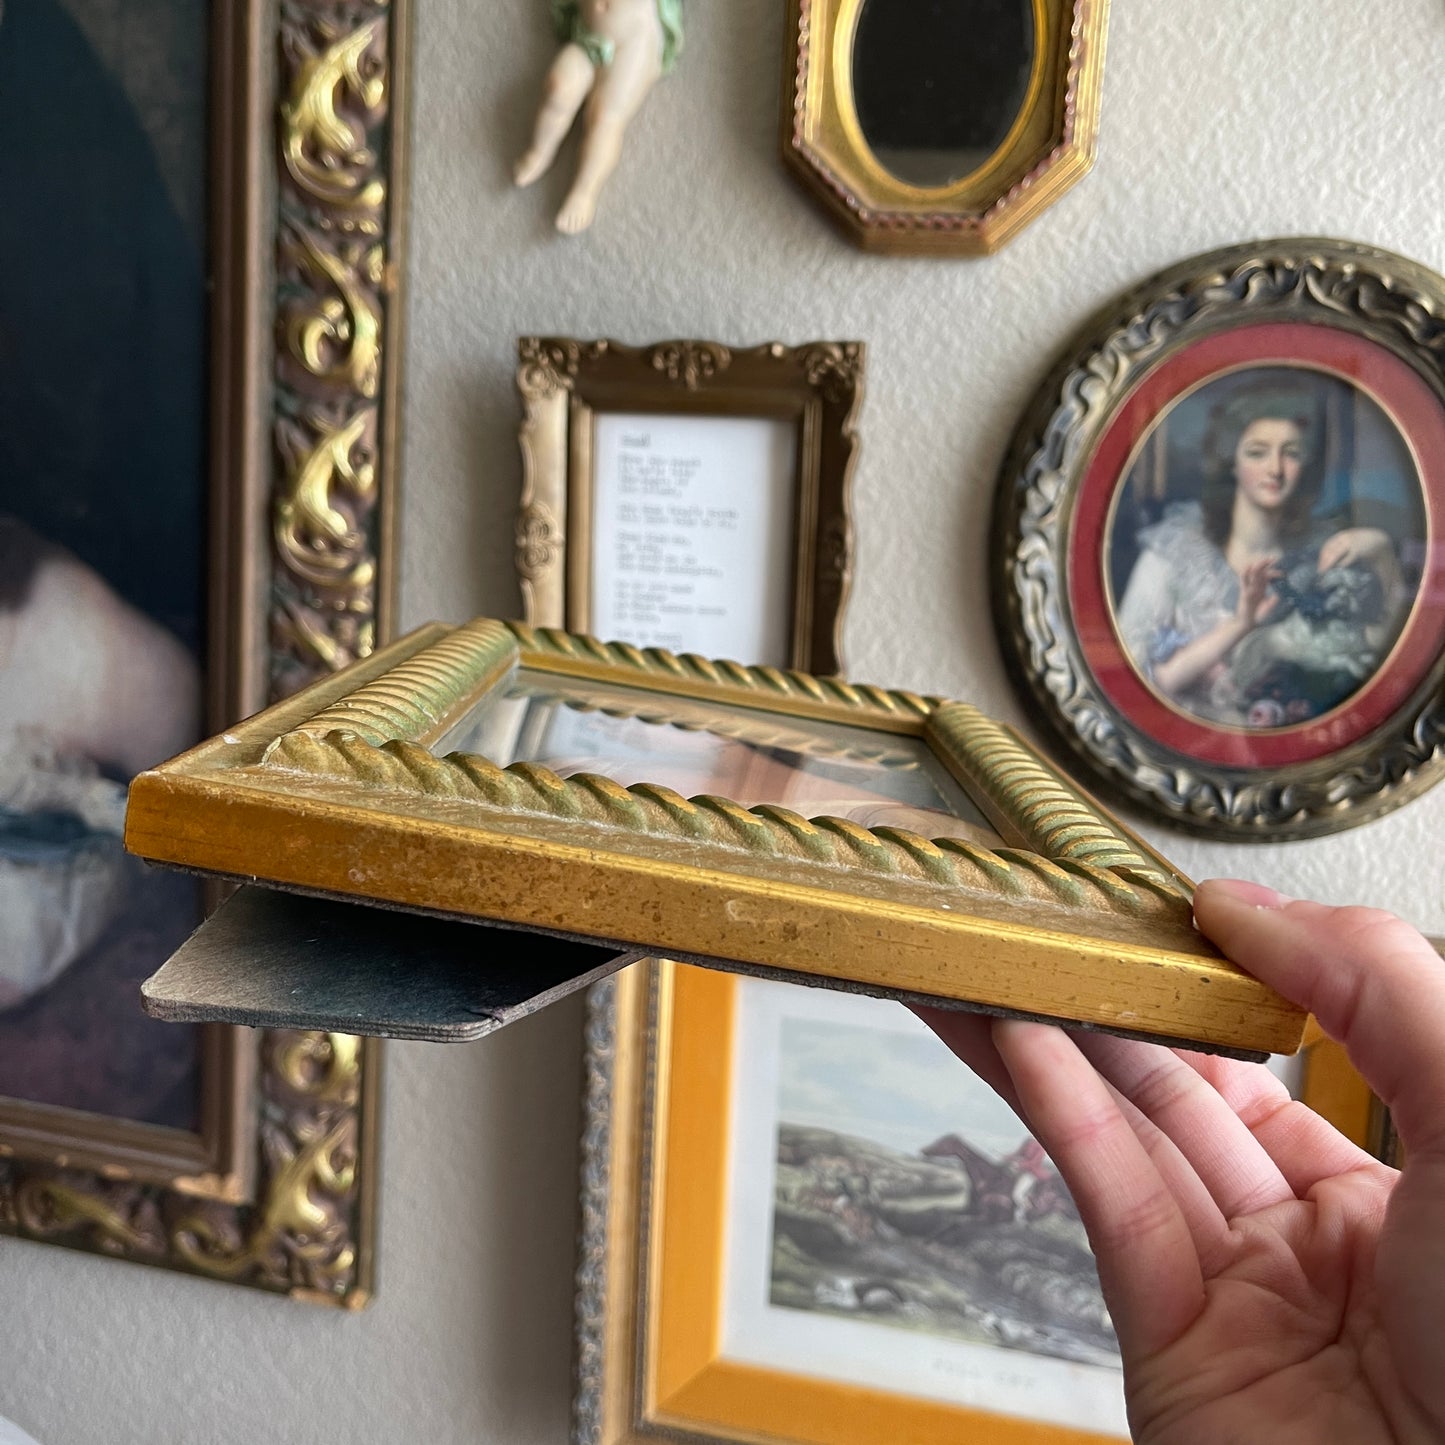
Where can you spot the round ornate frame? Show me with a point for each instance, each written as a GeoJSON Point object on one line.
{"type": "Point", "coordinates": [1260, 296]}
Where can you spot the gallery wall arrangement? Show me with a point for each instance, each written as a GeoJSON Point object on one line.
{"type": "Point", "coordinates": [1218, 598]}
{"type": "Point", "coordinates": [220, 525]}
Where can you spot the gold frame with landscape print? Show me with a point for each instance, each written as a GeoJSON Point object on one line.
{"type": "Point", "coordinates": [276, 1187]}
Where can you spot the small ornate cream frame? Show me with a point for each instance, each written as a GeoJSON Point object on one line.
{"type": "Point", "coordinates": [336, 792]}
{"type": "Point", "coordinates": [564, 382]}
{"type": "Point", "coordinates": [1049, 148]}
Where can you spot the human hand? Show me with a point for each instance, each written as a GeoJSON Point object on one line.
{"type": "Point", "coordinates": [1268, 1281]}
{"type": "Point", "coordinates": [1256, 601]}
{"type": "Point", "coordinates": [1355, 544]}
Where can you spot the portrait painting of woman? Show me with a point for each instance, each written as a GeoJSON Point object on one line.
{"type": "Point", "coordinates": [1219, 560]}
{"type": "Point", "coordinates": [103, 476]}
{"type": "Point", "coordinates": [1262, 548]}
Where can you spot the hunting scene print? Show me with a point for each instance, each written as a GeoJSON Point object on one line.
{"type": "Point", "coordinates": [969, 1234]}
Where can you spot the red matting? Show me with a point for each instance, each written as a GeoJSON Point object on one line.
{"type": "Point", "coordinates": [1420, 416]}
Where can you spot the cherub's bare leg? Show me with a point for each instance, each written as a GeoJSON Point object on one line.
{"type": "Point", "coordinates": [621, 88]}
{"type": "Point", "coordinates": [601, 150]}
{"type": "Point", "coordinates": [568, 81]}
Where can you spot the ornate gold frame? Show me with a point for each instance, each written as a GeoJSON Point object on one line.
{"type": "Point", "coordinates": [1384, 299]}
{"type": "Point", "coordinates": [650, 1278]}
{"type": "Point", "coordinates": [564, 383]}
{"type": "Point", "coordinates": [336, 792]}
{"type": "Point", "coordinates": [1049, 148]}
{"type": "Point", "coordinates": [278, 1191]}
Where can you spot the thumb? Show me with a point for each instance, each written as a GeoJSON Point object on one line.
{"type": "Point", "coordinates": [1371, 980]}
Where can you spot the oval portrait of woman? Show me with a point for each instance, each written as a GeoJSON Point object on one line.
{"type": "Point", "coordinates": [1219, 559]}
{"type": "Point", "coordinates": [1263, 549]}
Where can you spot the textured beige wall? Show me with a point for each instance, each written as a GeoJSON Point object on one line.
{"type": "Point", "coordinates": [1223, 120]}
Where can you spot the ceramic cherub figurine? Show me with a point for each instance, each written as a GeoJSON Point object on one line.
{"type": "Point", "coordinates": [613, 52]}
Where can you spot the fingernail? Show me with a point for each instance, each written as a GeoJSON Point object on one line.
{"type": "Point", "coordinates": [1242, 892]}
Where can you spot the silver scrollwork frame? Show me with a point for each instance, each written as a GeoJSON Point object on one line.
{"type": "Point", "coordinates": [1393, 302]}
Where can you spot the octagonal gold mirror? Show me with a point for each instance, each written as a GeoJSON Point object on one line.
{"type": "Point", "coordinates": [941, 128]}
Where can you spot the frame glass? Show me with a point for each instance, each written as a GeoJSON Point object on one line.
{"type": "Point", "coordinates": [690, 495]}
{"type": "Point", "coordinates": [241, 1157]}
{"type": "Point", "coordinates": [1219, 578]}
{"type": "Point", "coordinates": [941, 130]}
{"type": "Point", "coordinates": [362, 787]}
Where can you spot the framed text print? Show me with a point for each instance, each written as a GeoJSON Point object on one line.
{"type": "Point", "coordinates": [690, 495]}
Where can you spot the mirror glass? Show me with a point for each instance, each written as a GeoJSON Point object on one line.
{"type": "Point", "coordinates": [938, 83]}
{"type": "Point", "coordinates": [874, 779]}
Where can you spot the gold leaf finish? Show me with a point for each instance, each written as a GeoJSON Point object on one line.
{"type": "Point", "coordinates": [296, 1215]}
{"type": "Point", "coordinates": [337, 251]}
{"type": "Point", "coordinates": [323, 142]}
{"type": "Point", "coordinates": [300, 1237]}
{"type": "Point", "coordinates": [346, 797]}
{"type": "Point", "coordinates": [1049, 148]}
{"type": "Point", "coordinates": [48, 1207]}
{"type": "Point", "coordinates": [1034, 799]}
{"type": "Point", "coordinates": [321, 541]}
{"type": "Point", "coordinates": [337, 337]}
{"type": "Point", "coordinates": [766, 831]}
{"type": "Point", "coordinates": [801, 692]}
{"type": "Point", "coordinates": [424, 693]}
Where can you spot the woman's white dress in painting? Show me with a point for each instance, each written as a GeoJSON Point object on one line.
{"type": "Point", "coordinates": [1327, 634]}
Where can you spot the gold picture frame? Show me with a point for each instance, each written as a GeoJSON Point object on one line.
{"type": "Point", "coordinates": [419, 778]}
{"type": "Point", "coordinates": [1112, 465]}
{"type": "Point", "coordinates": [1048, 147]}
{"type": "Point", "coordinates": [568, 387]}
{"type": "Point", "coordinates": [652, 1279]}
{"type": "Point", "coordinates": [277, 1189]}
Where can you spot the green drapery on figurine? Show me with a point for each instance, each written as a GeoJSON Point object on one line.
{"type": "Point", "coordinates": [567, 16]}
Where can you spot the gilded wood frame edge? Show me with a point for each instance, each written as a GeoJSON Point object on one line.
{"type": "Point", "coordinates": [382, 793]}
{"type": "Point", "coordinates": [1388, 299]}
{"type": "Point", "coordinates": [907, 220]}
{"type": "Point", "coordinates": [561, 380]}
{"type": "Point", "coordinates": [308, 143]}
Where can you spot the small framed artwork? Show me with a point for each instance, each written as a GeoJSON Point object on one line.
{"type": "Point", "coordinates": [1219, 576]}
{"type": "Point", "coordinates": [804, 1221]}
{"type": "Point", "coordinates": [174, 552]}
{"type": "Point", "coordinates": [690, 495]}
